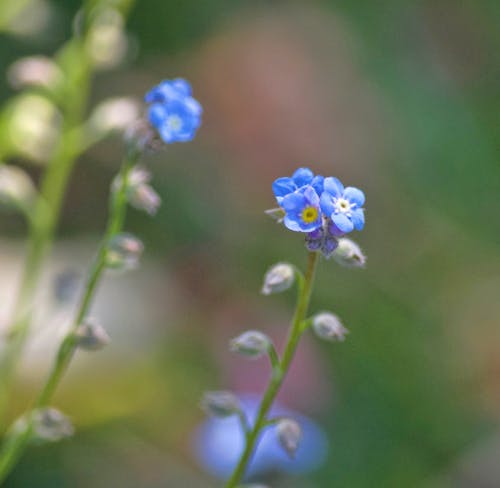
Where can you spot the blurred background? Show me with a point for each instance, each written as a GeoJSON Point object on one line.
{"type": "Point", "coordinates": [397, 98]}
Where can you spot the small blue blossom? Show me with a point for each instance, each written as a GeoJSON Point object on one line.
{"type": "Point", "coordinates": [302, 177]}
{"type": "Point", "coordinates": [344, 206]}
{"type": "Point", "coordinates": [174, 113]}
{"type": "Point", "coordinates": [218, 444]}
{"type": "Point", "coordinates": [302, 210]}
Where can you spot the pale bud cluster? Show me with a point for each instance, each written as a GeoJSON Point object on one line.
{"type": "Point", "coordinates": [328, 326]}
{"type": "Point", "coordinates": [124, 252]}
{"type": "Point", "coordinates": [220, 404]}
{"type": "Point", "coordinates": [50, 425]}
{"type": "Point", "coordinates": [289, 435]}
{"type": "Point", "coordinates": [251, 343]}
{"type": "Point", "coordinates": [39, 71]}
{"type": "Point", "coordinates": [16, 187]}
{"type": "Point", "coordinates": [279, 278]}
{"type": "Point", "coordinates": [349, 254]}
{"type": "Point", "coordinates": [91, 336]}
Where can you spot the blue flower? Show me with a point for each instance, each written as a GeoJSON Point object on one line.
{"type": "Point", "coordinates": [343, 206]}
{"type": "Point", "coordinates": [174, 113]}
{"type": "Point", "coordinates": [302, 210]}
{"type": "Point", "coordinates": [302, 177]}
{"type": "Point", "coordinates": [218, 444]}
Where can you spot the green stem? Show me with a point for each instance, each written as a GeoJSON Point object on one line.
{"type": "Point", "coordinates": [42, 226]}
{"type": "Point", "coordinates": [17, 442]}
{"type": "Point", "coordinates": [278, 375]}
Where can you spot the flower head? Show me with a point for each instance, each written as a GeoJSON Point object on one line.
{"type": "Point", "coordinates": [301, 178]}
{"type": "Point", "coordinates": [344, 206]}
{"type": "Point", "coordinates": [174, 113]}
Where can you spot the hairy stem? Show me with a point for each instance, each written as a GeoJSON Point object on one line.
{"type": "Point", "coordinates": [280, 373]}
{"type": "Point", "coordinates": [16, 443]}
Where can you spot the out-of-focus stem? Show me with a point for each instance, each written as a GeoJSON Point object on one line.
{"type": "Point", "coordinates": [16, 443]}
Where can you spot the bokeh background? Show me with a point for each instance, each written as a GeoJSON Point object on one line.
{"type": "Point", "coordinates": [398, 98]}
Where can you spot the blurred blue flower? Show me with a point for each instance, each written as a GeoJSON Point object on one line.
{"type": "Point", "coordinates": [302, 210]}
{"type": "Point", "coordinates": [343, 206]}
{"type": "Point", "coordinates": [302, 177]}
{"type": "Point", "coordinates": [218, 444]}
{"type": "Point", "coordinates": [174, 113]}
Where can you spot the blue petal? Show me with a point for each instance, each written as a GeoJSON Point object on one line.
{"type": "Point", "coordinates": [293, 202]}
{"type": "Point", "coordinates": [166, 134]}
{"type": "Point", "coordinates": [283, 186]}
{"type": "Point", "coordinates": [354, 195]}
{"type": "Point", "coordinates": [311, 196]}
{"type": "Point", "coordinates": [317, 183]}
{"type": "Point", "coordinates": [303, 176]}
{"type": "Point", "coordinates": [333, 186]}
{"type": "Point", "coordinates": [342, 222]}
{"type": "Point", "coordinates": [193, 106]}
{"type": "Point", "coordinates": [358, 218]}
{"type": "Point", "coordinates": [292, 222]}
{"type": "Point", "coordinates": [326, 203]}
{"type": "Point", "coordinates": [182, 86]}
{"type": "Point", "coordinates": [157, 114]}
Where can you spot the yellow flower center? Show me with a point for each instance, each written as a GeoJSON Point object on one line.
{"type": "Point", "coordinates": [174, 122]}
{"type": "Point", "coordinates": [309, 214]}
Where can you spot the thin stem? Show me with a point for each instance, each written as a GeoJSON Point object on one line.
{"type": "Point", "coordinates": [17, 442]}
{"type": "Point", "coordinates": [278, 377]}
{"type": "Point", "coordinates": [43, 223]}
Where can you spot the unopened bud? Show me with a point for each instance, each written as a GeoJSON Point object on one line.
{"type": "Point", "coordinates": [327, 326]}
{"type": "Point", "coordinates": [349, 254]}
{"type": "Point", "coordinates": [124, 252]}
{"type": "Point", "coordinates": [16, 187]}
{"type": "Point", "coordinates": [114, 114]}
{"type": "Point", "coordinates": [34, 71]}
{"type": "Point", "coordinates": [289, 435]}
{"type": "Point", "coordinates": [251, 343]}
{"type": "Point", "coordinates": [91, 336]}
{"type": "Point", "coordinates": [279, 278]}
{"type": "Point", "coordinates": [50, 425]}
{"type": "Point", "coordinates": [144, 197]}
{"type": "Point", "coordinates": [220, 403]}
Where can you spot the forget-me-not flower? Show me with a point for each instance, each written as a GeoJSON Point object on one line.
{"type": "Point", "coordinates": [302, 210]}
{"type": "Point", "coordinates": [174, 113]}
{"type": "Point", "coordinates": [344, 206]}
{"type": "Point", "coordinates": [301, 178]}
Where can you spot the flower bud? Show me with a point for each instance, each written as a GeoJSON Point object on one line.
{"type": "Point", "coordinates": [50, 425]}
{"type": "Point", "coordinates": [279, 278]}
{"type": "Point", "coordinates": [349, 254]}
{"type": "Point", "coordinates": [124, 251]}
{"type": "Point", "coordinates": [289, 435]}
{"type": "Point", "coordinates": [114, 114]}
{"type": "Point", "coordinates": [251, 343]}
{"type": "Point", "coordinates": [91, 336]}
{"type": "Point", "coordinates": [327, 326]}
{"type": "Point", "coordinates": [16, 187]}
{"type": "Point", "coordinates": [34, 71]}
{"type": "Point", "coordinates": [220, 404]}
{"type": "Point", "coordinates": [144, 197]}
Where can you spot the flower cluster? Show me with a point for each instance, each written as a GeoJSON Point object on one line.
{"type": "Point", "coordinates": [320, 207]}
{"type": "Point", "coordinates": [173, 112]}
